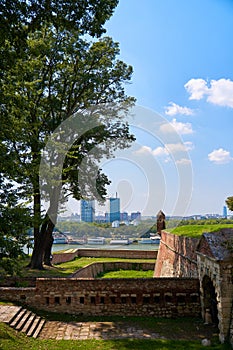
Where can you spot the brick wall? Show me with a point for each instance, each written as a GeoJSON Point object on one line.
{"type": "Point", "coordinates": [105, 253]}
{"type": "Point", "coordinates": [163, 297]}
{"type": "Point", "coordinates": [177, 256]}
{"type": "Point", "coordinates": [92, 270]}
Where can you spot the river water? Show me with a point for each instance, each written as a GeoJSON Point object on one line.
{"type": "Point", "coordinates": [57, 247]}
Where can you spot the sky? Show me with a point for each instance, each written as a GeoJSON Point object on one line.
{"type": "Point", "coordinates": [182, 57]}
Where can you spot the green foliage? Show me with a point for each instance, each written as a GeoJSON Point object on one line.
{"type": "Point", "coordinates": [14, 222]}
{"type": "Point", "coordinates": [51, 70]}
{"type": "Point", "coordinates": [229, 203]}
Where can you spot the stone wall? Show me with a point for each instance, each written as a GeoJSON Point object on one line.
{"type": "Point", "coordinates": [104, 253]}
{"type": "Point", "coordinates": [92, 270]}
{"type": "Point", "coordinates": [221, 276]}
{"type": "Point", "coordinates": [169, 297]}
{"type": "Point", "coordinates": [177, 256]}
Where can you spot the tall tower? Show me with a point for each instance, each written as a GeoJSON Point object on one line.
{"type": "Point", "coordinates": [114, 209]}
{"type": "Point", "coordinates": [87, 210]}
{"type": "Point", "coordinates": [224, 212]}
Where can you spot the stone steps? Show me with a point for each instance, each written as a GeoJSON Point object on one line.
{"type": "Point", "coordinates": [27, 322]}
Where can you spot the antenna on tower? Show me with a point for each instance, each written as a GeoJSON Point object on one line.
{"type": "Point", "coordinates": [116, 194]}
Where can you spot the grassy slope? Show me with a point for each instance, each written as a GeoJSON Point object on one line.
{"type": "Point", "coordinates": [66, 269]}
{"type": "Point", "coordinates": [127, 274]}
{"type": "Point", "coordinates": [195, 231]}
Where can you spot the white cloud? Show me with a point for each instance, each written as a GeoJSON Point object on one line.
{"type": "Point", "coordinates": [174, 109]}
{"type": "Point", "coordinates": [144, 150]}
{"type": "Point", "coordinates": [168, 149]}
{"type": "Point", "coordinates": [179, 147]}
{"type": "Point", "coordinates": [220, 156]}
{"type": "Point", "coordinates": [179, 127]}
{"type": "Point", "coordinates": [160, 151]}
{"type": "Point", "coordinates": [183, 161]}
{"type": "Point", "coordinates": [219, 92]}
{"type": "Point", "coordinates": [197, 88]}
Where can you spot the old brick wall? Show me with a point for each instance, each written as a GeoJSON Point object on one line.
{"type": "Point", "coordinates": [176, 257]}
{"type": "Point", "coordinates": [163, 297]}
{"type": "Point", "coordinates": [104, 253]}
{"type": "Point", "coordinates": [92, 270]}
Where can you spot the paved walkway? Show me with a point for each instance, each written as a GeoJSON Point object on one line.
{"type": "Point", "coordinates": [81, 330]}
{"type": "Point", "coordinates": [93, 330]}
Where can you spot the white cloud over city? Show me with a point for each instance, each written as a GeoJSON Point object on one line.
{"type": "Point", "coordinates": [218, 92]}
{"type": "Point", "coordinates": [220, 156]}
{"type": "Point", "coordinates": [174, 109]}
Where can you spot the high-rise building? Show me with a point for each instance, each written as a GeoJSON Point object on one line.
{"type": "Point", "coordinates": [114, 209]}
{"type": "Point", "coordinates": [124, 216]}
{"type": "Point", "coordinates": [87, 210]}
{"type": "Point", "coordinates": [224, 213]}
{"type": "Point", "coordinates": [136, 216]}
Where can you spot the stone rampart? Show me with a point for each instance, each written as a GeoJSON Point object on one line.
{"type": "Point", "coordinates": [59, 258]}
{"type": "Point", "coordinates": [160, 297]}
{"type": "Point", "coordinates": [177, 256]}
{"type": "Point", "coordinates": [92, 270]}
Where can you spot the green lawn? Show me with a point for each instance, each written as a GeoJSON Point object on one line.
{"type": "Point", "coordinates": [66, 269]}
{"type": "Point", "coordinates": [127, 274]}
{"type": "Point", "coordinates": [195, 231]}
{"type": "Point", "coordinates": [10, 339]}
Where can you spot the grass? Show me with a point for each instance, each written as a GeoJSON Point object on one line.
{"type": "Point", "coordinates": [127, 274]}
{"type": "Point", "coordinates": [195, 231]}
{"type": "Point", "coordinates": [66, 269]}
{"type": "Point", "coordinates": [10, 339]}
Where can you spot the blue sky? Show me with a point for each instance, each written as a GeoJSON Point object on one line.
{"type": "Point", "coordinates": [182, 55]}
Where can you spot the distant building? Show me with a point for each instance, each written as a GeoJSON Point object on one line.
{"type": "Point", "coordinates": [124, 216]}
{"type": "Point", "coordinates": [224, 213]}
{"type": "Point", "coordinates": [113, 210]}
{"type": "Point", "coordinates": [87, 210]}
{"type": "Point", "coordinates": [136, 216]}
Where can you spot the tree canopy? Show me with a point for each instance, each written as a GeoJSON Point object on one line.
{"type": "Point", "coordinates": [229, 203]}
{"type": "Point", "coordinates": [52, 72]}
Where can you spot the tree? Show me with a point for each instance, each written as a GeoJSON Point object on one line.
{"type": "Point", "coordinates": [58, 75]}
{"type": "Point", "coordinates": [229, 203]}
{"type": "Point", "coordinates": [14, 219]}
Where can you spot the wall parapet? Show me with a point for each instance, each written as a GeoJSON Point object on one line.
{"type": "Point", "coordinates": [104, 253]}
{"type": "Point", "coordinates": [160, 297]}
{"type": "Point", "coordinates": [94, 269]}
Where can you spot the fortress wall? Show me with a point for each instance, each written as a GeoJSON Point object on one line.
{"type": "Point", "coordinates": [177, 256]}
{"type": "Point", "coordinates": [59, 258]}
{"type": "Point", "coordinates": [92, 270]}
{"type": "Point", "coordinates": [163, 297]}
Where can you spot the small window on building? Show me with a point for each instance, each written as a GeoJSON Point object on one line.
{"type": "Point", "coordinates": [47, 300]}
{"type": "Point", "coordinates": [168, 298]}
{"type": "Point", "coordinates": [81, 300]}
{"type": "Point", "coordinates": [113, 300]}
{"type": "Point", "coordinates": [194, 298]}
{"type": "Point", "coordinates": [68, 300]}
{"type": "Point", "coordinates": [157, 299]}
{"type": "Point", "coordinates": [133, 300]}
{"type": "Point", "coordinates": [57, 300]}
{"type": "Point", "coordinates": [123, 300]}
{"type": "Point", "coordinates": [101, 300]}
{"type": "Point", "coordinates": [180, 299]}
{"type": "Point", "coordinates": [22, 297]}
{"type": "Point", "coordinates": [92, 300]}
{"type": "Point", "coordinates": [146, 300]}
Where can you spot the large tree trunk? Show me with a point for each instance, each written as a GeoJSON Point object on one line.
{"type": "Point", "coordinates": [44, 240]}
{"type": "Point", "coordinates": [48, 243]}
